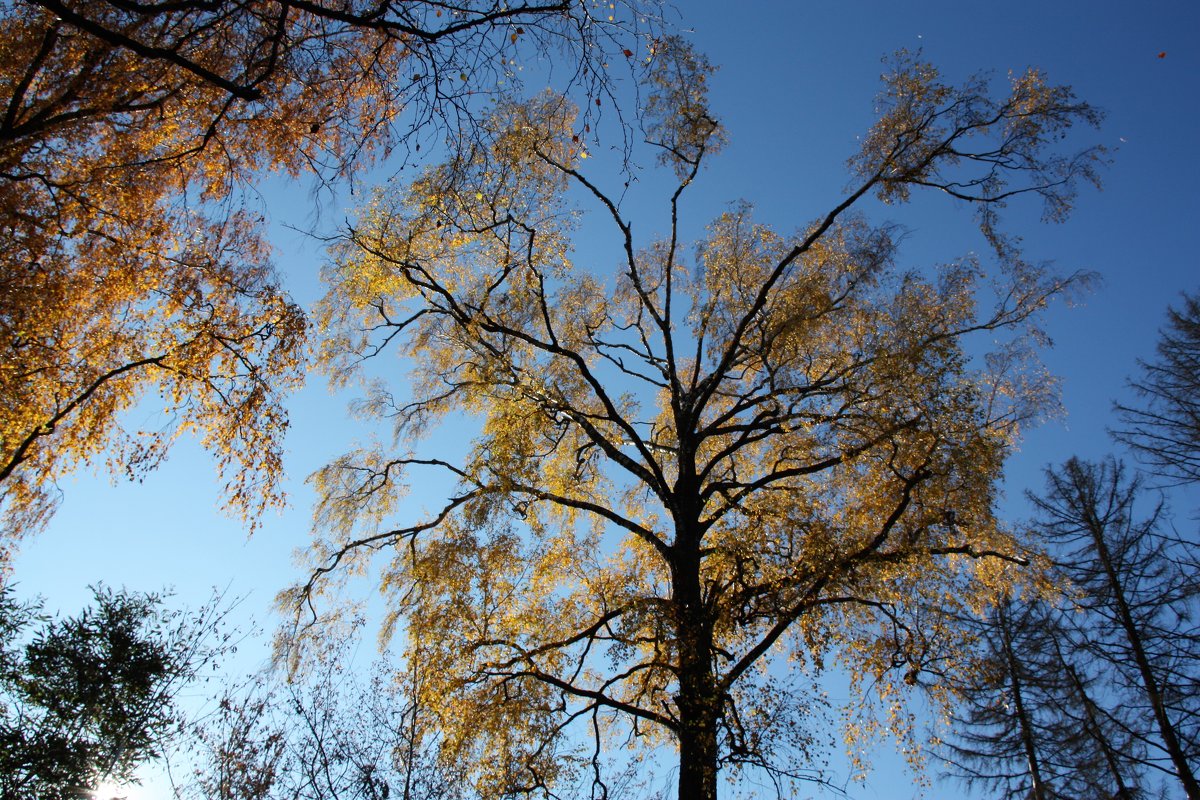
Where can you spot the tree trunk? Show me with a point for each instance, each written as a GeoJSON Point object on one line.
{"type": "Point", "coordinates": [1037, 790]}
{"type": "Point", "coordinates": [697, 747]}
{"type": "Point", "coordinates": [1096, 732]}
{"type": "Point", "coordinates": [1133, 635]}
{"type": "Point", "coordinates": [697, 702]}
{"type": "Point", "coordinates": [698, 707]}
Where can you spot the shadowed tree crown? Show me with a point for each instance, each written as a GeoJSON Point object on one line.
{"type": "Point", "coordinates": [1163, 427]}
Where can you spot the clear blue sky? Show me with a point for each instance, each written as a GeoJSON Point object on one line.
{"type": "Point", "coordinates": [795, 88]}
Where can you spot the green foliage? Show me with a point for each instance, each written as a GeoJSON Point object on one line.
{"type": "Point", "coordinates": [88, 698]}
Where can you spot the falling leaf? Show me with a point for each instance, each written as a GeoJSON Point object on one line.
{"type": "Point", "coordinates": [628, 53]}
{"type": "Point", "coordinates": [1163, 54]}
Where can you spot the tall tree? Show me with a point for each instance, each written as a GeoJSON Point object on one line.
{"type": "Point", "coordinates": [1164, 429]}
{"type": "Point", "coordinates": [131, 265]}
{"type": "Point", "coordinates": [1139, 603]}
{"type": "Point", "coordinates": [88, 698]}
{"type": "Point", "coordinates": [1026, 721]}
{"type": "Point", "coordinates": [683, 478]}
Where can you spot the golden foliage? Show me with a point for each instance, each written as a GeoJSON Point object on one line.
{"type": "Point", "coordinates": [781, 451]}
{"type": "Point", "coordinates": [129, 267]}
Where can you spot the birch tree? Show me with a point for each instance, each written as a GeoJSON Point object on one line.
{"type": "Point", "coordinates": [690, 482]}
{"type": "Point", "coordinates": [133, 265]}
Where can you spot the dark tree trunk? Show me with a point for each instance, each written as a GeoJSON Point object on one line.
{"type": "Point", "coordinates": [1028, 737]}
{"type": "Point", "coordinates": [1133, 635]}
{"type": "Point", "coordinates": [697, 740]}
{"type": "Point", "coordinates": [697, 703]}
{"type": "Point", "coordinates": [1096, 732]}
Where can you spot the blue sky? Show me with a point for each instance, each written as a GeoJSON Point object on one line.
{"type": "Point", "coordinates": [795, 87]}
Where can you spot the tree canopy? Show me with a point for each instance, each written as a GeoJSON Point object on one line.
{"type": "Point", "coordinates": [692, 483]}
{"type": "Point", "coordinates": [132, 264]}
{"type": "Point", "coordinates": [1163, 428]}
{"type": "Point", "coordinates": [88, 698]}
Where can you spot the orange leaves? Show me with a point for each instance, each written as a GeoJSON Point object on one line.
{"type": "Point", "coordinates": [114, 287]}
{"type": "Point", "coordinates": [680, 124]}
{"type": "Point", "coordinates": [123, 325]}
{"type": "Point", "coordinates": [677, 473]}
{"type": "Point", "coordinates": [118, 292]}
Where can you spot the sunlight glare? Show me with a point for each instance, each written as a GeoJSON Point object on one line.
{"type": "Point", "coordinates": [111, 790]}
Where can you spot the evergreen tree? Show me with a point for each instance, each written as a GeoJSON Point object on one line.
{"type": "Point", "coordinates": [85, 699]}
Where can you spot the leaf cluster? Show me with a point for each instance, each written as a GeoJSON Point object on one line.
{"type": "Point", "coordinates": [88, 698]}
{"type": "Point", "coordinates": [131, 135]}
{"type": "Point", "coordinates": [681, 473]}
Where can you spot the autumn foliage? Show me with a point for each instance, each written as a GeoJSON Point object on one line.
{"type": "Point", "coordinates": [691, 470]}
{"type": "Point", "coordinates": [133, 266]}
